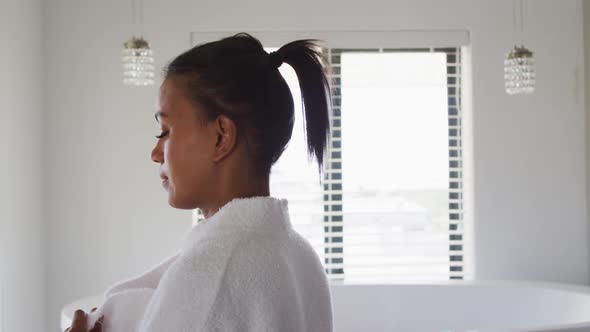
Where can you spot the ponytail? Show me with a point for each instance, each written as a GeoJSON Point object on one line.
{"type": "Point", "coordinates": [306, 59]}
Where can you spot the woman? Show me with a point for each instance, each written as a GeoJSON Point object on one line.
{"type": "Point", "coordinates": [226, 116]}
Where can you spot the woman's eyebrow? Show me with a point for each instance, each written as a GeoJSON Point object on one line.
{"type": "Point", "coordinates": [160, 114]}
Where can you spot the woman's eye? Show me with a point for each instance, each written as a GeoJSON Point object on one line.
{"type": "Point", "coordinates": [163, 134]}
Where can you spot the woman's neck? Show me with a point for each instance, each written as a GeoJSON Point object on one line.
{"type": "Point", "coordinates": [242, 187]}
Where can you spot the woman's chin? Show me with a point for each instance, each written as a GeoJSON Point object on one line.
{"type": "Point", "coordinates": [177, 203]}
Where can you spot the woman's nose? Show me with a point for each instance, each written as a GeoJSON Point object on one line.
{"type": "Point", "coordinates": [157, 154]}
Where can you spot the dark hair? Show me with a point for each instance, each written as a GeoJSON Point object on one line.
{"type": "Point", "coordinates": [236, 77]}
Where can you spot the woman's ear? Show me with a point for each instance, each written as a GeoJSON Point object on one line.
{"type": "Point", "coordinates": [227, 132]}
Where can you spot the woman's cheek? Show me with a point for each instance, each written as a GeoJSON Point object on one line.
{"type": "Point", "coordinates": [168, 153]}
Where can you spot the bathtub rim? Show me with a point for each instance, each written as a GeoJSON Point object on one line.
{"type": "Point", "coordinates": [576, 288]}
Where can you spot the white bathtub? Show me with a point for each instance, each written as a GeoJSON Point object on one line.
{"type": "Point", "coordinates": [457, 306]}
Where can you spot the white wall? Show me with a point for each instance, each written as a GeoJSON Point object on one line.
{"type": "Point", "coordinates": [586, 10]}
{"type": "Point", "coordinates": [107, 217]}
{"type": "Point", "coordinates": [22, 240]}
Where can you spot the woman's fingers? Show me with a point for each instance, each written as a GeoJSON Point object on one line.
{"type": "Point", "coordinates": [79, 323]}
{"type": "Point", "coordinates": [98, 325]}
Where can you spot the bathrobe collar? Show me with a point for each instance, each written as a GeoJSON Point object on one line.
{"type": "Point", "coordinates": [261, 213]}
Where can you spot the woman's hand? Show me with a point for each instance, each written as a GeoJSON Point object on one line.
{"type": "Point", "coordinates": [80, 322]}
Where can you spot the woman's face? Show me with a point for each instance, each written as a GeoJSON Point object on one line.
{"type": "Point", "coordinates": [185, 147]}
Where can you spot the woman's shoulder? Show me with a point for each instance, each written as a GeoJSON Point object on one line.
{"type": "Point", "coordinates": [246, 254]}
{"type": "Point", "coordinates": [226, 250]}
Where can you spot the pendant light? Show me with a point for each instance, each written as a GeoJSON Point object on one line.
{"type": "Point", "coordinates": [519, 66]}
{"type": "Point", "coordinates": [138, 59]}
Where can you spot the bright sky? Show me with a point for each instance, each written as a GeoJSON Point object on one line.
{"type": "Point", "coordinates": [394, 120]}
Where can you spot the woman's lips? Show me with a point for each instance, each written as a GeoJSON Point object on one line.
{"type": "Point", "coordinates": [164, 180]}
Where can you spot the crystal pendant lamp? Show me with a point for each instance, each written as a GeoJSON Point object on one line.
{"type": "Point", "coordinates": [138, 57]}
{"type": "Point", "coordinates": [138, 63]}
{"type": "Point", "coordinates": [519, 71]}
{"type": "Point", "coordinates": [519, 65]}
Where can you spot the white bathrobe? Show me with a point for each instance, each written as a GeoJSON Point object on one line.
{"type": "Point", "coordinates": [242, 269]}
